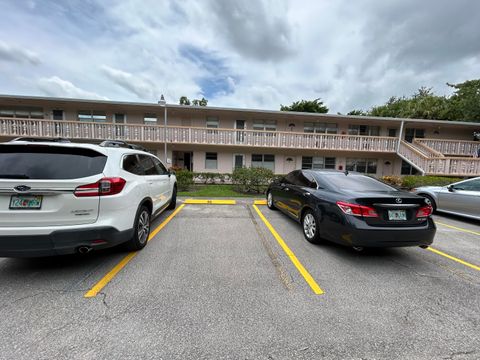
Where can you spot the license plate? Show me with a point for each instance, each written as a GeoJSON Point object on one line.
{"type": "Point", "coordinates": [27, 202]}
{"type": "Point", "coordinates": [397, 215]}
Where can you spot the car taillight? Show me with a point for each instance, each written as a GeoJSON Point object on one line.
{"type": "Point", "coordinates": [357, 210]}
{"type": "Point", "coordinates": [103, 187]}
{"type": "Point", "coordinates": [424, 211]}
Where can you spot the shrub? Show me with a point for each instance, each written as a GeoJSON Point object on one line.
{"type": "Point", "coordinates": [252, 179]}
{"type": "Point", "coordinates": [413, 181]}
{"type": "Point", "coordinates": [184, 179]}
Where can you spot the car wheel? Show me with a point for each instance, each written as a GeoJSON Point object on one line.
{"type": "Point", "coordinates": [429, 200]}
{"type": "Point", "coordinates": [270, 204]}
{"type": "Point", "coordinates": [141, 230]}
{"type": "Point", "coordinates": [173, 200]}
{"type": "Point", "coordinates": [310, 227]}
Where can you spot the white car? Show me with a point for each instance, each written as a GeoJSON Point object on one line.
{"type": "Point", "coordinates": [461, 198]}
{"type": "Point", "coordinates": [58, 197]}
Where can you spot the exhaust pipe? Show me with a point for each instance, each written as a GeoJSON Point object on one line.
{"type": "Point", "coordinates": [84, 250]}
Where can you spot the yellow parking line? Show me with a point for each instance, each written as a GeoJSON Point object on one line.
{"type": "Point", "coordinates": [112, 273]}
{"type": "Point", "coordinates": [212, 202]}
{"type": "Point", "coordinates": [458, 228]}
{"type": "Point", "coordinates": [441, 253]}
{"type": "Point", "coordinates": [301, 269]}
{"type": "Point", "coordinates": [260, 202]}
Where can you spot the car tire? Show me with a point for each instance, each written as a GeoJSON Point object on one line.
{"type": "Point", "coordinates": [173, 200]}
{"type": "Point", "coordinates": [432, 202]}
{"type": "Point", "coordinates": [141, 230]}
{"type": "Point", "coordinates": [310, 226]}
{"type": "Point", "coordinates": [270, 204]}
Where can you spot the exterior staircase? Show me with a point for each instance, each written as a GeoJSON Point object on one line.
{"type": "Point", "coordinates": [429, 156]}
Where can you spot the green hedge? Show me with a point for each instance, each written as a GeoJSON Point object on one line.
{"type": "Point", "coordinates": [184, 179]}
{"type": "Point", "coordinates": [412, 181]}
{"type": "Point", "coordinates": [253, 179]}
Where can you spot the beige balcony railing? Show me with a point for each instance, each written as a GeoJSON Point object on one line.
{"type": "Point", "coordinates": [191, 135]}
{"type": "Point", "coordinates": [454, 166]}
{"type": "Point", "coordinates": [451, 147]}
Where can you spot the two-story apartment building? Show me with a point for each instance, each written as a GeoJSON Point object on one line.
{"type": "Point", "coordinates": [219, 139]}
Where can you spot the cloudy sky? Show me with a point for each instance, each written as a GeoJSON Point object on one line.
{"type": "Point", "coordinates": [239, 53]}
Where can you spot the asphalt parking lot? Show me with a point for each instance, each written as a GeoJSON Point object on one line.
{"type": "Point", "coordinates": [217, 282]}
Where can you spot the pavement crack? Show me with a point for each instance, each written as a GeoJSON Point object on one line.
{"type": "Point", "coordinates": [453, 355]}
{"type": "Point", "coordinates": [281, 271]}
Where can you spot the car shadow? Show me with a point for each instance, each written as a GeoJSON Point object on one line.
{"type": "Point", "coordinates": [458, 218]}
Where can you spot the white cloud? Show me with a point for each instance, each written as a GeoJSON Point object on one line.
{"type": "Point", "coordinates": [54, 86]}
{"type": "Point", "coordinates": [16, 54]}
{"type": "Point", "coordinates": [256, 54]}
{"type": "Point", "coordinates": [143, 88]}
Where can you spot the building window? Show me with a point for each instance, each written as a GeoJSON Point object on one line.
{"type": "Point", "coordinates": [366, 166]}
{"type": "Point", "coordinates": [365, 130]}
{"type": "Point", "coordinates": [408, 169]}
{"type": "Point", "coordinates": [411, 133]}
{"type": "Point", "coordinates": [22, 112]}
{"type": "Point", "coordinates": [92, 116]}
{"type": "Point", "coordinates": [150, 118]}
{"type": "Point", "coordinates": [320, 128]}
{"type": "Point", "coordinates": [211, 160]}
{"type": "Point", "coordinates": [265, 125]}
{"type": "Point", "coordinates": [316, 163]}
{"type": "Point", "coordinates": [392, 132]}
{"type": "Point", "coordinates": [212, 122]}
{"type": "Point", "coordinates": [266, 161]}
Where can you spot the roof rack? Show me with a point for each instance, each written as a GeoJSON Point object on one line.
{"type": "Point", "coordinates": [122, 144]}
{"type": "Point", "coordinates": [32, 139]}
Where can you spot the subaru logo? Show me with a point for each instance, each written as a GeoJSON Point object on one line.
{"type": "Point", "coordinates": [21, 188]}
{"type": "Point", "coordinates": [398, 200]}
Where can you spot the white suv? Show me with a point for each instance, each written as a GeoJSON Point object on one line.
{"type": "Point", "coordinates": [58, 197]}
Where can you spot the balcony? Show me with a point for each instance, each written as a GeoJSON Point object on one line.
{"type": "Point", "coordinates": [191, 135]}
{"type": "Point", "coordinates": [451, 147]}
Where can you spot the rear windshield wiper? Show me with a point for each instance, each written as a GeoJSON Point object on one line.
{"type": "Point", "coordinates": [14, 176]}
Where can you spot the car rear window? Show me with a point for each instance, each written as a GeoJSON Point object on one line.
{"type": "Point", "coordinates": [355, 183]}
{"type": "Point", "coordinates": [49, 162]}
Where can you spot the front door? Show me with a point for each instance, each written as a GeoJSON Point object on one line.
{"type": "Point", "coordinates": [57, 115]}
{"type": "Point", "coordinates": [238, 161]}
{"type": "Point", "coordinates": [240, 125]}
{"type": "Point", "coordinates": [119, 130]}
{"type": "Point", "coordinates": [187, 161]}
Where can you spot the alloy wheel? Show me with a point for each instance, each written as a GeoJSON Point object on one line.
{"type": "Point", "coordinates": [143, 228]}
{"type": "Point", "coordinates": [309, 226]}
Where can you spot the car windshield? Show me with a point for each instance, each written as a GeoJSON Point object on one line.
{"type": "Point", "coordinates": [354, 182]}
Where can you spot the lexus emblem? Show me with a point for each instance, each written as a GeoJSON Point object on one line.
{"type": "Point", "coordinates": [398, 200]}
{"type": "Point", "coordinates": [21, 188]}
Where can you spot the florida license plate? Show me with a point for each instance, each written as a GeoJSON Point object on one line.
{"type": "Point", "coordinates": [397, 215]}
{"type": "Point", "coordinates": [25, 202]}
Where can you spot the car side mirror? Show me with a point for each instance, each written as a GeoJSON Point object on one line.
{"type": "Point", "coordinates": [450, 188]}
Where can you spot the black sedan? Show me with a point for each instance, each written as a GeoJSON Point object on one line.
{"type": "Point", "coordinates": [352, 209]}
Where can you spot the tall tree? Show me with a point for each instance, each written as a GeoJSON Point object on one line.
{"type": "Point", "coordinates": [465, 101]}
{"type": "Point", "coordinates": [312, 106]}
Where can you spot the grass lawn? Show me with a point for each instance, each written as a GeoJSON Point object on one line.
{"type": "Point", "coordinates": [216, 191]}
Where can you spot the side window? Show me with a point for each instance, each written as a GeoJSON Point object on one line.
{"type": "Point", "coordinates": [472, 185]}
{"type": "Point", "coordinates": [160, 168]}
{"type": "Point", "coordinates": [307, 180]}
{"type": "Point", "coordinates": [132, 165]}
{"type": "Point", "coordinates": [148, 165]}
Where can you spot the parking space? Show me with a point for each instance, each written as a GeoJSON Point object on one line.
{"type": "Point", "coordinates": [216, 282]}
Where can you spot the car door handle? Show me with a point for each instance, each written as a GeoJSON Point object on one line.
{"type": "Point", "coordinates": [307, 193]}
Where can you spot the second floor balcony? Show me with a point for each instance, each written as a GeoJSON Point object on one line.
{"type": "Point", "coordinates": [14, 127]}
